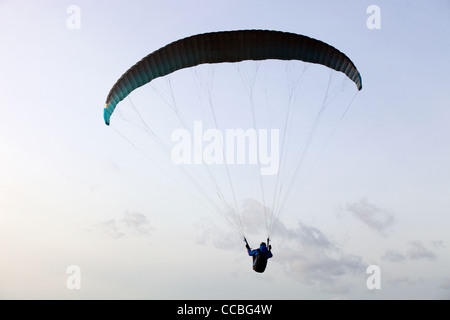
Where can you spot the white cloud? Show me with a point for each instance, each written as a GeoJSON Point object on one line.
{"type": "Point", "coordinates": [132, 224]}
{"type": "Point", "coordinates": [306, 253]}
{"type": "Point", "coordinates": [109, 228]}
{"type": "Point", "coordinates": [211, 233]}
{"type": "Point", "coordinates": [393, 256]}
{"type": "Point", "coordinates": [374, 217]}
{"type": "Point", "coordinates": [402, 280]}
{"type": "Point", "coordinates": [312, 257]}
{"type": "Point", "coordinates": [137, 223]}
{"type": "Point", "coordinates": [418, 251]}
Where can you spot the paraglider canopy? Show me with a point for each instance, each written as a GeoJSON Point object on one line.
{"type": "Point", "coordinates": [228, 46]}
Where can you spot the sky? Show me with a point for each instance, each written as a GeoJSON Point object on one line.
{"type": "Point", "coordinates": [87, 214]}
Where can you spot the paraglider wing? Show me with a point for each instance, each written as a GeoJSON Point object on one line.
{"type": "Point", "coordinates": [228, 46]}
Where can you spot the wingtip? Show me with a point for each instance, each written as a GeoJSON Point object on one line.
{"type": "Point", "coordinates": [106, 114]}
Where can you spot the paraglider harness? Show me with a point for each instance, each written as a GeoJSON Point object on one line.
{"type": "Point", "coordinates": [260, 258]}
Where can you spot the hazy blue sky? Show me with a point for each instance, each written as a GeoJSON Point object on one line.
{"type": "Point", "coordinates": [74, 192]}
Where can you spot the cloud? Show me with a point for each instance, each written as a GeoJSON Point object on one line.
{"type": "Point", "coordinates": [438, 244]}
{"type": "Point", "coordinates": [210, 233]}
{"type": "Point", "coordinates": [254, 216]}
{"type": "Point", "coordinates": [374, 217]}
{"type": "Point", "coordinates": [137, 223]}
{"type": "Point", "coordinates": [109, 228]}
{"type": "Point", "coordinates": [393, 256]}
{"type": "Point", "coordinates": [416, 251]}
{"type": "Point", "coordinates": [313, 237]}
{"type": "Point", "coordinates": [132, 224]}
{"type": "Point", "coordinates": [402, 280]}
{"type": "Point", "coordinates": [313, 258]}
{"type": "Point", "coordinates": [305, 252]}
